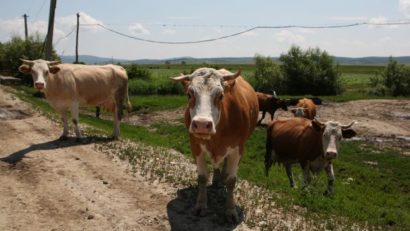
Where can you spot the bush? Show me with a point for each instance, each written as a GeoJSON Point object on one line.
{"type": "Point", "coordinates": [310, 72]}
{"type": "Point", "coordinates": [268, 76]}
{"type": "Point", "coordinates": [397, 78]}
{"type": "Point", "coordinates": [136, 71]}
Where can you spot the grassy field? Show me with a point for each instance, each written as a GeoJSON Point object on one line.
{"type": "Point", "coordinates": [377, 195]}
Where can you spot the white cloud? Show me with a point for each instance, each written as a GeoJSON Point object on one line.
{"type": "Point", "coordinates": [380, 20]}
{"type": "Point", "coordinates": [138, 29]}
{"type": "Point", "coordinates": [169, 31]}
{"type": "Point", "coordinates": [404, 7]}
{"type": "Point", "coordinates": [286, 36]}
{"type": "Point", "coordinates": [88, 22]}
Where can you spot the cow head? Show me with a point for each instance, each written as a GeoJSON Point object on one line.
{"type": "Point", "coordinates": [205, 90]}
{"type": "Point", "coordinates": [299, 111]}
{"type": "Point", "coordinates": [332, 133]}
{"type": "Point", "coordinates": [39, 70]}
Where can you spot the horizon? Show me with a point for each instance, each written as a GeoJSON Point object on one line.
{"type": "Point", "coordinates": [105, 26]}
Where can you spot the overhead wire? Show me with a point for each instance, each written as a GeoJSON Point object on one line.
{"type": "Point", "coordinates": [247, 30]}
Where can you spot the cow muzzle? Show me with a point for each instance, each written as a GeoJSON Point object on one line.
{"type": "Point", "coordinates": [202, 127]}
{"type": "Point", "coordinates": [330, 155]}
{"type": "Point", "coordinates": [39, 86]}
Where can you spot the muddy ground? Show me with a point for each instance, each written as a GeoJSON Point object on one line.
{"type": "Point", "coordinates": [47, 184]}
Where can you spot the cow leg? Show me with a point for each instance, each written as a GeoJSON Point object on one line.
{"type": "Point", "coordinates": [330, 179]}
{"type": "Point", "coordinates": [65, 124]}
{"type": "Point", "coordinates": [117, 119]}
{"type": "Point", "coordinates": [74, 115]}
{"type": "Point", "coordinates": [307, 177]}
{"type": "Point", "coordinates": [201, 200]}
{"type": "Point", "coordinates": [288, 168]}
{"type": "Point", "coordinates": [219, 175]}
{"type": "Point", "coordinates": [263, 116]}
{"type": "Point", "coordinates": [233, 158]}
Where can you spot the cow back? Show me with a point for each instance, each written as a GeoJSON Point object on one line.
{"type": "Point", "coordinates": [309, 105]}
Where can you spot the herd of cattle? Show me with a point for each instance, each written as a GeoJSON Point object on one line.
{"type": "Point", "coordinates": [221, 114]}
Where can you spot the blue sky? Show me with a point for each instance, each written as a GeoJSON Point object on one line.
{"type": "Point", "coordinates": [192, 20]}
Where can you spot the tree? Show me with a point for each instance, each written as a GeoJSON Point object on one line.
{"type": "Point", "coordinates": [17, 48]}
{"type": "Point", "coordinates": [268, 76]}
{"type": "Point", "coordinates": [310, 72]}
{"type": "Point", "coordinates": [397, 78]}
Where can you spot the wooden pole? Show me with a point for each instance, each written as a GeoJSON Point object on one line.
{"type": "Point", "coordinates": [25, 26]}
{"type": "Point", "coordinates": [76, 38]}
{"type": "Point", "coordinates": [49, 42]}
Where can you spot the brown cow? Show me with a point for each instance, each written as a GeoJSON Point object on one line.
{"type": "Point", "coordinates": [312, 144]}
{"type": "Point", "coordinates": [269, 103]}
{"type": "Point", "coordinates": [67, 86]}
{"type": "Point", "coordinates": [222, 113]}
{"type": "Point", "coordinates": [305, 108]}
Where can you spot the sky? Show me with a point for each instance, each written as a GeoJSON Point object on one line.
{"type": "Point", "coordinates": [194, 20]}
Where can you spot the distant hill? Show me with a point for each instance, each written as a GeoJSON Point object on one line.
{"type": "Point", "coordinates": [89, 59]}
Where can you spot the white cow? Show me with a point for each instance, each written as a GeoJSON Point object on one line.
{"type": "Point", "coordinates": [67, 86]}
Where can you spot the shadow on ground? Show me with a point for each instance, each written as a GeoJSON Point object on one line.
{"type": "Point", "coordinates": [181, 215]}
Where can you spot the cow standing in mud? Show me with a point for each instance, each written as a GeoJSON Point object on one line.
{"type": "Point", "coordinates": [222, 113]}
{"type": "Point", "coordinates": [67, 86]}
{"type": "Point", "coordinates": [312, 144]}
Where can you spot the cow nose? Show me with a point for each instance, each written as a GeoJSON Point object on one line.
{"type": "Point", "coordinates": [39, 86]}
{"type": "Point", "coordinates": [201, 126]}
{"type": "Point", "coordinates": [331, 154]}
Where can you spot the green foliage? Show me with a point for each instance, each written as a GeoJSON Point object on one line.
{"type": "Point", "coordinates": [310, 72]}
{"type": "Point", "coordinates": [268, 76]}
{"type": "Point", "coordinates": [16, 48]}
{"type": "Point", "coordinates": [136, 71]}
{"type": "Point", "coordinates": [397, 78]}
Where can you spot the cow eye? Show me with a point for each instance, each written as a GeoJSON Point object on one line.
{"type": "Point", "coordinates": [220, 97]}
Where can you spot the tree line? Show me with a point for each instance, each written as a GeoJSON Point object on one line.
{"type": "Point", "coordinates": [297, 72]}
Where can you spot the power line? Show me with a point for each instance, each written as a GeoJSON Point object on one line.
{"type": "Point", "coordinates": [250, 29]}
{"type": "Point", "coordinates": [65, 36]}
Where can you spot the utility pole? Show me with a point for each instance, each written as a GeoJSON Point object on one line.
{"type": "Point", "coordinates": [49, 41]}
{"type": "Point", "coordinates": [76, 38]}
{"type": "Point", "coordinates": [25, 26]}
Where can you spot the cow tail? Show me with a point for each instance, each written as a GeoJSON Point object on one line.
{"type": "Point", "coordinates": [268, 154]}
{"type": "Point", "coordinates": [127, 98]}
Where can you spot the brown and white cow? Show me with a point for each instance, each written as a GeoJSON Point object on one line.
{"type": "Point", "coordinates": [270, 103]}
{"type": "Point", "coordinates": [222, 113]}
{"type": "Point", "coordinates": [312, 144]}
{"type": "Point", "coordinates": [67, 86]}
{"type": "Point", "coordinates": [305, 108]}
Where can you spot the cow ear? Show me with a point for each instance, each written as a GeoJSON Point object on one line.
{"type": "Point", "coordinates": [318, 125]}
{"type": "Point", "coordinates": [26, 69]}
{"type": "Point", "coordinates": [348, 133]}
{"type": "Point", "coordinates": [54, 69]}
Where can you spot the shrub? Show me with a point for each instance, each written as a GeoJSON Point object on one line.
{"type": "Point", "coordinates": [310, 72]}
{"type": "Point", "coordinates": [397, 78]}
{"type": "Point", "coordinates": [136, 71]}
{"type": "Point", "coordinates": [268, 76]}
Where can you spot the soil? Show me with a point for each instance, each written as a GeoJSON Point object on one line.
{"type": "Point", "coordinates": [48, 184]}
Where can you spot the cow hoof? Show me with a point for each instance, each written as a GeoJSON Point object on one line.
{"type": "Point", "coordinates": [63, 137]}
{"type": "Point", "coordinates": [327, 193]}
{"type": "Point", "coordinates": [114, 137]}
{"type": "Point", "coordinates": [200, 211]}
{"type": "Point", "coordinates": [232, 216]}
{"type": "Point", "coordinates": [80, 140]}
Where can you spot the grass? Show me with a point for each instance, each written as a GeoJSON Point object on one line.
{"type": "Point", "coordinates": [376, 194]}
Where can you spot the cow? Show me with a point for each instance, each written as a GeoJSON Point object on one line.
{"type": "Point", "coordinates": [222, 113]}
{"type": "Point", "coordinates": [311, 143]}
{"type": "Point", "coordinates": [68, 86]}
{"type": "Point", "coordinates": [270, 103]}
{"type": "Point", "coordinates": [305, 108]}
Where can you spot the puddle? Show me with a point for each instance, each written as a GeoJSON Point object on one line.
{"type": "Point", "coordinates": [10, 113]}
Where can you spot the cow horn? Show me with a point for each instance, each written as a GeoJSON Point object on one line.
{"type": "Point", "coordinates": [25, 61]}
{"type": "Point", "coordinates": [274, 94]}
{"type": "Point", "coordinates": [182, 77]}
{"type": "Point", "coordinates": [232, 76]}
{"type": "Point", "coordinates": [348, 125]}
{"type": "Point", "coordinates": [51, 63]}
{"type": "Point", "coordinates": [318, 121]}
